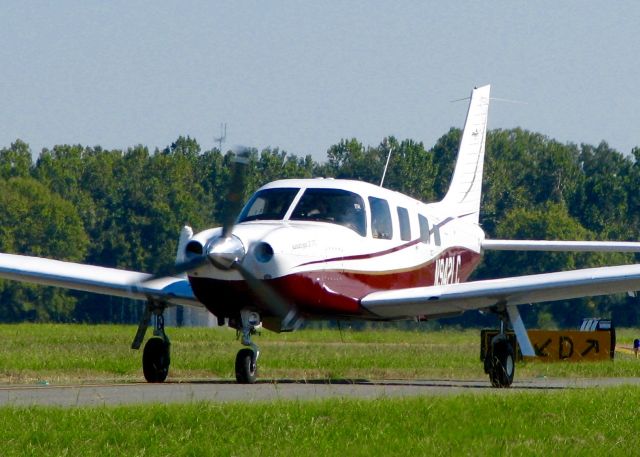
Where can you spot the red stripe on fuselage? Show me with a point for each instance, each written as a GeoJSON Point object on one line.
{"type": "Point", "coordinates": [327, 293]}
{"type": "Point", "coordinates": [365, 256]}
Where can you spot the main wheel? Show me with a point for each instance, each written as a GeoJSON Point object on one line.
{"type": "Point", "coordinates": [155, 360]}
{"type": "Point", "coordinates": [501, 364]}
{"type": "Point", "coordinates": [246, 367]}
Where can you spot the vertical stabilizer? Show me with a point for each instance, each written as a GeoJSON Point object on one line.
{"type": "Point", "coordinates": [465, 191]}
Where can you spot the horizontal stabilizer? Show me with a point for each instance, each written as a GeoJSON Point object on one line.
{"type": "Point", "coordinates": [560, 246]}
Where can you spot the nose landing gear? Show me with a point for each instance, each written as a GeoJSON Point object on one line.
{"type": "Point", "coordinates": [247, 359]}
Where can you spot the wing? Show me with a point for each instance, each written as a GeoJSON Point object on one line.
{"type": "Point", "coordinates": [454, 299]}
{"type": "Point", "coordinates": [89, 278]}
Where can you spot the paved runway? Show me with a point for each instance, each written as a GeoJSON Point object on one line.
{"type": "Point", "coordinates": [227, 391]}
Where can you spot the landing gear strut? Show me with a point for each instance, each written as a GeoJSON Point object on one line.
{"type": "Point", "coordinates": [247, 359]}
{"type": "Point", "coordinates": [156, 355]}
{"type": "Point", "coordinates": [499, 362]}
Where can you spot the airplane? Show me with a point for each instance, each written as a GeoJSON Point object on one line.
{"type": "Point", "coordinates": [341, 249]}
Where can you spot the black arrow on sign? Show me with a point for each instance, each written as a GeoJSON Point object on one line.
{"type": "Point", "coordinates": [540, 349]}
{"type": "Point", "coordinates": [593, 344]}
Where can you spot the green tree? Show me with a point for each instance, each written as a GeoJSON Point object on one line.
{"type": "Point", "coordinates": [349, 159]}
{"type": "Point", "coordinates": [37, 222]}
{"type": "Point", "coordinates": [602, 203]}
{"type": "Point", "coordinates": [411, 169]}
{"type": "Point", "coordinates": [444, 158]}
{"type": "Point", "coordinates": [15, 160]}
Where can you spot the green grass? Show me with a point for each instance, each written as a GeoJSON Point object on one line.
{"type": "Point", "coordinates": [32, 353]}
{"type": "Point", "coordinates": [571, 423]}
{"type": "Point", "coordinates": [498, 422]}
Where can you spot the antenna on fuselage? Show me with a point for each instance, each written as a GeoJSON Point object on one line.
{"type": "Point", "coordinates": [386, 165]}
{"type": "Point", "coordinates": [223, 136]}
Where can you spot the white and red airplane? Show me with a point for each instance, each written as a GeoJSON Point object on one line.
{"type": "Point", "coordinates": [341, 249]}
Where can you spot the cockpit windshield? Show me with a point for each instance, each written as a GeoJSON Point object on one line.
{"type": "Point", "coordinates": [268, 204]}
{"type": "Point", "coordinates": [336, 206]}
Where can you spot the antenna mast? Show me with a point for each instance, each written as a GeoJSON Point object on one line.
{"type": "Point", "coordinates": [223, 136]}
{"type": "Point", "coordinates": [384, 173]}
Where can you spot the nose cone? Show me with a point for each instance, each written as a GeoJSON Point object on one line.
{"type": "Point", "coordinates": [224, 252]}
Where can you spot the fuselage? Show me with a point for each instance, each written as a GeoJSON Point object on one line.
{"type": "Point", "coordinates": [323, 244]}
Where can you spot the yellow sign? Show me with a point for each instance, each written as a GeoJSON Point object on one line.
{"type": "Point", "coordinates": [553, 345]}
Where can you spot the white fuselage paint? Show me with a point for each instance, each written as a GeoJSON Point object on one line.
{"type": "Point", "coordinates": [301, 246]}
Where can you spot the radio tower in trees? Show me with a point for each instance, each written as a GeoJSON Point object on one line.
{"type": "Point", "coordinates": [223, 136]}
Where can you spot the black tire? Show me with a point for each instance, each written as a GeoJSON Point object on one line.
{"type": "Point", "coordinates": [246, 367]}
{"type": "Point", "coordinates": [155, 360]}
{"type": "Point", "coordinates": [502, 365]}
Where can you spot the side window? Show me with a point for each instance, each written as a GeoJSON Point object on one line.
{"type": "Point", "coordinates": [436, 235]}
{"type": "Point", "coordinates": [405, 225]}
{"type": "Point", "coordinates": [424, 229]}
{"type": "Point", "coordinates": [380, 219]}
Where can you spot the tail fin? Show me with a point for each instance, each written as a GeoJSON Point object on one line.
{"type": "Point", "coordinates": [465, 191]}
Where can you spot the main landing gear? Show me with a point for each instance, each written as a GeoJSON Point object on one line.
{"type": "Point", "coordinates": [499, 362]}
{"type": "Point", "coordinates": [156, 355]}
{"type": "Point", "coordinates": [247, 359]}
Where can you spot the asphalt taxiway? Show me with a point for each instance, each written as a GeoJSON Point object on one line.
{"type": "Point", "coordinates": [265, 391]}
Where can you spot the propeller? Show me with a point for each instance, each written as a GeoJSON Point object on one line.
{"type": "Point", "coordinates": [233, 201]}
{"type": "Point", "coordinates": [227, 251]}
{"type": "Point", "coordinates": [216, 250]}
{"type": "Point", "coordinates": [291, 318]}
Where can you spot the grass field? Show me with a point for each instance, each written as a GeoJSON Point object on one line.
{"type": "Point", "coordinates": [79, 353]}
{"type": "Point", "coordinates": [572, 423]}
{"type": "Point", "coordinates": [500, 422]}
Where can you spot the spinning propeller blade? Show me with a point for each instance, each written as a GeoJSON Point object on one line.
{"type": "Point", "coordinates": [230, 210]}
{"type": "Point", "coordinates": [227, 252]}
{"type": "Point", "coordinates": [233, 201]}
{"type": "Point", "coordinates": [180, 268]}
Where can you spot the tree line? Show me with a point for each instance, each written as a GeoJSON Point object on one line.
{"type": "Point", "coordinates": [124, 209]}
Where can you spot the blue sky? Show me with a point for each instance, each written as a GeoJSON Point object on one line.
{"type": "Point", "coordinates": [303, 75]}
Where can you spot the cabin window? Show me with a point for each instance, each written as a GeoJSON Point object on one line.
{"type": "Point", "coordinates": [436, 235]}
{"type": "Point", "coordinates": [380, 219]}
{"type": "Point", "coordinates": [405, 225]}
{"type": "Point", "coordinates": [424, 229]}
{"type": "Point", "coordinates": [268, 204]}
{"type": "Point", "coordinates": [336, 206]}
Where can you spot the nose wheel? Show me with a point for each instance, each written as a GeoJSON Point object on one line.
{"type": "Point", "coordinates": [247, 359]}
{"type": "Point", "coordinates": [246, 367]}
